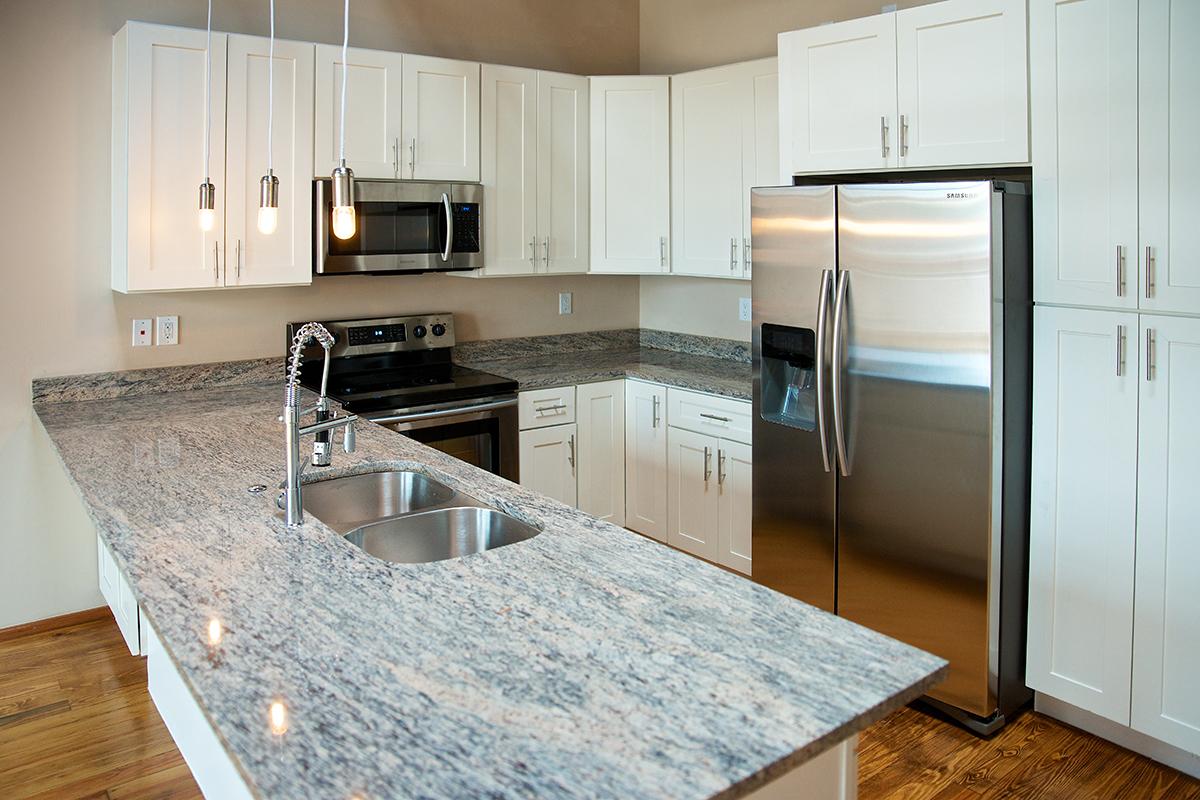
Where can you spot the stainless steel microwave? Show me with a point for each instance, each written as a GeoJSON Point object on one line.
{"type": "Point", "coordinates": [401, 227]}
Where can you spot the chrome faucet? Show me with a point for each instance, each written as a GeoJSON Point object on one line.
{"type": "Point", "coordinates": [291, 500]}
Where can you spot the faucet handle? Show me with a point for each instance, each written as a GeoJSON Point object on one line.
{"type": "Point", "coordinates": [349, 438]}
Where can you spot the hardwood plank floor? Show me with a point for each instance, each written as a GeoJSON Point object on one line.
{"type": "Point", "coordinates": [76, 723]}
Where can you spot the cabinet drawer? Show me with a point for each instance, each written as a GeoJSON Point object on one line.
{"type": "Point", "coordinates": [544, 407]}
{"type": "Point", "coordinates": [706, 413]}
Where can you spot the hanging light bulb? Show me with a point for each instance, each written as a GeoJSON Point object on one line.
{"type": "Point", "coordinates": [268, 187]}
{"type": "Point", "coordinates": [207, 214]}
{"type": "Point", "coordinates": [344, 224]}
{"type": "Point", "coordinates": [208, 192]}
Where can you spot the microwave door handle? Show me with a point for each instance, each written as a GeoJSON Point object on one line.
{"type": "Point", "coordinates": [449, 226]}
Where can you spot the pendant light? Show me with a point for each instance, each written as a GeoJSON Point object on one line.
{"type": "Point", "coordinates": [208, 192]}
{"type": "Point", "coordinates": [343, 177]}
{"type": "Point", "coordinates": [268, 187]}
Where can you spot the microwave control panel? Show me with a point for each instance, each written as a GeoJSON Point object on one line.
{"type": "Point", "coordinates": [466, 227]}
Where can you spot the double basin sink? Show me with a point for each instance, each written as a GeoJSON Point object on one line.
{"type": "Point", "coordinates": [410, 518]}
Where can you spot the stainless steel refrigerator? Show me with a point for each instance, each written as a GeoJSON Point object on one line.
{"type": "Point", "coordinates": [891, 344]}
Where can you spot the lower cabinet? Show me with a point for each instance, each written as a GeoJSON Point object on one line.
{"type": "Point", "coordinates": [120, 598]}
{"type": "Point", "coordinates": [600, 419]}
{"type": "Point", "coordinates": [646, 459]}
{"type": "Point", "coordinates": [548, 462]}
{"type": "Point", "coordinates": [709, 497]}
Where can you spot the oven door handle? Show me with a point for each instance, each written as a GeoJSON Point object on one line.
{"type": "Point", "coordinates": [456, 411]}
{"type": "Point", "coordinates": [449, 226]}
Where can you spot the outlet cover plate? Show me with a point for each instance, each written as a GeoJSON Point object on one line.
{"type": "Point", "coordinates": [166, 330]}
{"type": "Point", "coordinates": [564, 302]}
{"type": "Point", "coordinates": [143, 332]}
{"type": "Point", "coordinates": [744, 309]}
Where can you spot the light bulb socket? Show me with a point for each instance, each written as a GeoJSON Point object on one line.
{"type": "Point", "coordinates": [208, 194]}
{"type": "Point", "coordinates": [343, 185]}
{"type": "Point", "coordinates": [268, 191]}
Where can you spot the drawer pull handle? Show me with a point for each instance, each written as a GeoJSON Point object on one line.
{"type": "Point", "coordinates": [545, 409]}
{"type": "Point", "coordinates": [715, 417]}
{"type": "Point", "coordinates": [707, 464]}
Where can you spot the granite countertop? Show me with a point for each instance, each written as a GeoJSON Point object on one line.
{"type": "Point", "coordinates": [586, 662]}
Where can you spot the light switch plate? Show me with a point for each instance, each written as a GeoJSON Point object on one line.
{"type": "Point", "coordinates": [143, 332]}
{"type": "Point", "coordinates": [167, 330]}
{"type": "Point", "coordinates": [744, 309]}
{"type": "Point", "coordinates": [564, 302]}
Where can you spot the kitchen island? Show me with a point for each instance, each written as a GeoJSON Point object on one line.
{"type": "Point", "coordinates": [585, 662]}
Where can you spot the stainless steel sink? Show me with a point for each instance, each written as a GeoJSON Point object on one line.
{"type": "Point", "coordinates": [441, 534]}
{"type": "Point", "coordinates": [356, 500]}
{"type": "Point", "coordinates": [410, 518]}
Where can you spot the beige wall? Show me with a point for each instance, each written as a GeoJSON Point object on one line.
{"type": "Point", "coordinates": [59, 314]}
{"type": "Point", "coordinates": [703, 306]}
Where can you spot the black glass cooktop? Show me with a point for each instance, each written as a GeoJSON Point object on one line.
{"type": "Point", "coordinates": [382, 389]}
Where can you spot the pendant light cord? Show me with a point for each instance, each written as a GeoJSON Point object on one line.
{"type": "Point", "coordinates": [207, 88]}
{"type": "Point", "coordinates": [345, 69]}
{"type": "Point", "coordinates": [271, 91]}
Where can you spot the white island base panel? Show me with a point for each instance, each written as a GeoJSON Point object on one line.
{"type": "Point", "coordinates": [832, 775]}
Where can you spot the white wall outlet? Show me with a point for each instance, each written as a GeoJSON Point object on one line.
{"type": "Point", "coordinates": [887, 9]}
{"type": "Point", "coordinates": [744, 309]}
{"type": "Point", "coordinates": [143, 332]}
{"type": "Point", "coordinates": [564, 302]}
{"type": "Point", "coordinates": [167, 330]}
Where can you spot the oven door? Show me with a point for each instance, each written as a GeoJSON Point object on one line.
{"type": "Point", "coordinates": [482, 432]}
{"type": "Point", "coordinates": [401, 226]}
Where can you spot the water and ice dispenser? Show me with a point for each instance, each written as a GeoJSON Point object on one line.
{"type": "Point", "coordinates": [789, 377]}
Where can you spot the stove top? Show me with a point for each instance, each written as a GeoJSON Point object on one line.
{"type": "Point", "coordinates": [391, 389]}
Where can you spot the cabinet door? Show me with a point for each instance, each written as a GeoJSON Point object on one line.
{"type": "Point", "coordinates": [1166, 632]}
{"type": "Point", "coordinates": [1083, 66]}
{"type": "Point", "coordinates": [707, 126]}
{"type": "Point", "coordinates": [693, 499]}
{"type": "Point", "coordinates": [837, 96]}
{"type": "Point", "coordinates": [760, 140]}
{"type": "Point", "coordinates": [1169, 165]}
{"type": "Point", "coordinates": [646, 459]}
{"type": "Point", "coordinates": [1084, 479]}
{"type": "Point", "coordinates": [600, 418]}
{"type": "Point", "coordinates": [548, 462]}
{"type": "Point", "coordinates": [285, 256]}
{"type": "Point", "coordinates": [735, 469]}
{"type": "Point", "coordinates": [158, 159]}
{"type": "Point", "coordinates": [562, 171]}
{"type": "Point", "coordinates": [373, 93]}
{"type": "Point", "coordinates": [630, 174]}
{"type": "Point", "coordinates": [508, 142]}
{"type": "Point", "coordinates": [961, 83]}
{"type": "Point", "coordinates": [119, 597]}
{"type": "Point", "coordinates": [441, 119]}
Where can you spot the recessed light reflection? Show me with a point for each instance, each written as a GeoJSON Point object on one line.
{"type": "Point", "coordinates": [278, 717]}
{"type": "Point", "coordinates": [215, 631]}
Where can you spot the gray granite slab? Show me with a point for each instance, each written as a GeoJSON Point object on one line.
{"type": "Point", "coordinates": [135, 382]}
{"type": "Point", "coordinates": [588, 662]}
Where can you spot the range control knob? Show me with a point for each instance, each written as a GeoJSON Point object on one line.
{"type": "Point", "coordinates": [419, 331]}
{"type": "Point", "coordinates": [439, 329]}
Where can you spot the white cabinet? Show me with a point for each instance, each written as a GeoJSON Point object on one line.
{"type": "Point", "coordinates": [534, 166]}
{"type": "Point", "coordinates": [157, 159]}
{"type": "Point", "coordinates": [284, 256]}
{"type": "Point", "coordinates": [630, 174]}
{"type": "Point", "coordinates": [646, 459]}
{"type": "Point", "coordinates": [440, 119]}
{"type": "Point", "coordinates": [1084, 93]}
{"type": "Point", "coordinates": [600, 423]}
{"type": "Point", "coordinates": [374, 88]}
{"type": "Point", "coordinates": [936, 85]}
{"type": "Point", "coordinates": [1084, 484]}
{"type": "Point", "coordinates": [723, 141]}
{"type": "Point", "coordinates": [961, 83]}
{"type": "Point", "coordinates": [735, 469]}
{"type": "Point", "coordinates": [119, 597]}
{"type": "Point", "coordinates": [548, 462]}
{"type": "Point", "coordinates": [1166, 629]}
{"type": "Point", "coordinates": [692, 496]}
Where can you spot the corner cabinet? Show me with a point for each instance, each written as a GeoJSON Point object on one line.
{"type": "Point", "coordinates": [937, 85]}
{"type": "Point", "coordinates": [157, 160]}
{"type": "Point", "coordinates": [630, 174]}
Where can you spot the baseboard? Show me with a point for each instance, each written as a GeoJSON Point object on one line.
{"type": "Point", "coordinates": [1138, 742]}
{"type": "Point", "coordinates": [53, 623]}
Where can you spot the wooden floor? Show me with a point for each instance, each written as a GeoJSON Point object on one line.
{"type": "Point", "coordinates": [77, 722]}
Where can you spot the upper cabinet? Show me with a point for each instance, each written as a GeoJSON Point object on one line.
{"type": "Point", "coordinates": [1116, 96]}
{"type": "Point", "coordinates": [937, 85]}
{"type": "Point", "coordinates": [630, 174]}
{"type": "Point", "coordinates": [724, 140]}
{"type": "Point", "coordinates": [158, 118]}
{"type": "Point", "coordinates": [534, 165]}
{"type": "Point", "coordinates": [406, 116]}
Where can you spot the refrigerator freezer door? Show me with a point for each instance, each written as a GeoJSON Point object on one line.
{"type": "Point", "coordinates": [795, 490]}
{"type": "Point", "coordinates": [914, 512]}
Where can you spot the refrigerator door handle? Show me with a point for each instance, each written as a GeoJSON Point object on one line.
{"type": "Point", "coordinates": [822, 324]}
{"type": "Point", "coordinates": [839, 312]}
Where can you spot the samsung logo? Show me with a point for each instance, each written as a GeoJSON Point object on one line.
{"type": "Point", "coordinates": [960, 195]}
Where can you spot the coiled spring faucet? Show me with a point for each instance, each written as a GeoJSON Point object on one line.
{"type": "Point", "coordinates": [291, 500]}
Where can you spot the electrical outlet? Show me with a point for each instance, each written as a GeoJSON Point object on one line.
{"type": "Point", "coordinates": [744, 309]}
{"type": "Point", "coordinates": [564, 302]}
{"type": "Point", "coordinates": [168, 330]}
{"type": "Point", "coordinates": [887, 9]}
{"type": "Point", "coordinates": [142, 336]}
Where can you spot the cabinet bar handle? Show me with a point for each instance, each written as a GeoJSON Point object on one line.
{"type": "Point", "coordinates": [412, 157]}
{"type": "Point", "coordinates": [533, 251]}
{"type": "Point", "coordinates": [654, 413]}
{"type": "Point", "coordinates": [216, 262]}
{"type": "Point", "coordinates": [1150, 354]}
{"type": "Point", "coordinates": [883, 136]}
{"type": "Point", "coordinates": [546, 253]}
{"type": "Point", "coordinates": [714, 417]}
{"type": "Point", "coordinates": [707, 464]}
{"type": "Point", "coordinates": [662, 251]}
{"type": "Point", "coordinates": [1120, 350]}
{"type": "Point", "coordinates": [720, 467]}
{"type": "Point", "coordinates": [238, 250]}
{"type": "Point", "coordinates": [571, 453]}
{"type": "Point", "coordinates": [1149, 271]}
{"type": "Point", "coordinates": [746, 262]}
{"type": "Point", "coordinates": [396, 157]}
{"type": "Point", "coordinates": [733, 259]}
{"type": "Point", "coordinates": [1120, 271]}
{"type": "Point", "coordinates": [903, 135]}
{"type": "Point", "coordinates": [544, 409]}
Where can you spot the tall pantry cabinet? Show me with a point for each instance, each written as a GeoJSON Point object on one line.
{"type": "Point", "coordinates": [1115, 526]}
